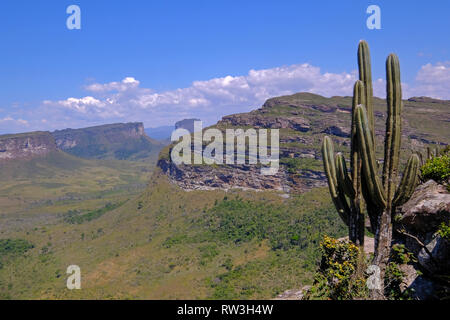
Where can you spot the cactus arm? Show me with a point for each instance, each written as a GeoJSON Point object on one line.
{"type": "Point", "coordinates": [393, 126]}
{"type": "Point", "coordinates": [373, 211]}
{"type": "Point", "coordinates": [355, 161]}
{"type": "Point", "coordinates": [371, 180]}
{"type": "Point", "coordinates": [365, 75]}
{"type": "Point", "coordinates": [330, 170]}
{"type": "Point", "coordinates": [429, 154]}
{"type": "Point", "coordinates": [343, 177]}
{"type": "Point", "coordinates": [409, 181]}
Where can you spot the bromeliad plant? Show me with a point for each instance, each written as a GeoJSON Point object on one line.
{"type": "Point", "coordinates": [381, 196]}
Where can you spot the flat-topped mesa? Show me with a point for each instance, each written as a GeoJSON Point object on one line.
{"type": "Point", "coordinates": [303, 119]}
{"type": "Point", "coordinates": [26, 145]}
{"type": "Point", "coordinates": [69, 138]}
{"type": "Point", "coordinates": [187, 124]}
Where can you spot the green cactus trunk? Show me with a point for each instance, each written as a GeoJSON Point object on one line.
{"type": "Point", "coordinates": [383, 193]}
{"type": "Point", "coordinates": [365, 75]}
{"type": "Point", "coordinates": [357, 220]}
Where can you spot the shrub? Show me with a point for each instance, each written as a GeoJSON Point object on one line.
{"type": "Point", "coordinates": [394, 275]}
{"type": "Point", "coordinates": [437, 168]}
{"type": "Point", "coordinates": [13, 248]}
{"type": "Point", "coordinates": [74, 217]}
{"type": "Point", "coordinates": [444, 231]}
{"type": "Point", "coordinates": [336, 277]}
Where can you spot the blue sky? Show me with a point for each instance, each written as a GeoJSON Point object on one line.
{"type": "Point", "coordinates": [161, 61]}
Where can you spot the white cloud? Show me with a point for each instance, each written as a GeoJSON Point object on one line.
{"type": "Point", "coordinates": [208, 100]}
{"type": "Point", "coordinates": [126, 84]}
{"type": "Point", "coordinates": [12, 121]}
{"type": "Point", "coordinates": [434, 81]}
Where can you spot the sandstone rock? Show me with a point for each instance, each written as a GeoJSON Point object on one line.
{"type": "Point", "coordinates": [338, 131]}
{"type": "Point", "coordinates": [410, 275]}
{"type": "Point", "coordinates": [439, 260]}
{"type": "Point", "coordinates": [428, 207]}
{"type": "Point", "coordinates": [293, 294]}
{"type": "Point", "coordinates": [369, 244]}
{"type": "Point", "coordinates": [419, 287]}
{"type": "Point", "coordinates": [423, 288]}
{"type": "Point", "coordinates": [204, 177]}
{"type": "Point", "coordinates": [69, 138]}
{"type": "Point", "coordinates": [259, 121]}
{"type": "Point", "coordinates": [26, 145]}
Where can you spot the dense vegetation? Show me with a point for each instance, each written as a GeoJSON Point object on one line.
{"type": "Point", "coordinates": [75, 217]}
{"type": "Point", "coordinates": [242, 221]}
{"type": "Point", "coordinates": [288, 237]}
{"type": "Point", "coordinates": [10, 248]}
{"type": "Point", "coordinates": [336, 277]}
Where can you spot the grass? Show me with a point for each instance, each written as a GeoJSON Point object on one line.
{"type": "Point", "coordinates": [74, 217]}
{"type": "Point", "coordinates": [174, 248]}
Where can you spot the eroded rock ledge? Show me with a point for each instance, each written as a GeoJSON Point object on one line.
{"type": "Point", "coordinates": [26, 145]}
{"type": "Point", "coordinates": [205, 177]}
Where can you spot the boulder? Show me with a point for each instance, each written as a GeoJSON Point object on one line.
{"type": "Point", "coordinates": [293, 294]}
{"type": "Point", "coordinates": [436, 257]}
{"type": "Point", "coordinates": [421, 216]}
{"type": "Point", "coordinates": [427, 208]}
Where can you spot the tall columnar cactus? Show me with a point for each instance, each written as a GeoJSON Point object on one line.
{"type": "Point", "coordinates": [365, 75]}
{"type": "Point", "coordinates": [383, 193]}
{"type": "Point", "coordinates": [342, 184]}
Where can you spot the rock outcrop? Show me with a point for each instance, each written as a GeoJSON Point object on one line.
{"type": "Point", "coordinates": [26, 145]}
{"type": "Point", "coordinates": [259, 121]}
{"type": "Point", "coordinates": [203, 177]}
{"type": "Point", "coordinates": [338, 131]}
{"type": "Point", "coordinates": [123, 141]}
{"type": "Point", "coordinates": [421, 216]}
{"type": "Point", "coordinates": [427, 208]}
{"type": "Point", "coordinates": [70, 138]}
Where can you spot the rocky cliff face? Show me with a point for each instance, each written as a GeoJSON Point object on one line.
{"type": "Point", "coordinates": [70, 138]}
{"type": "Point", "coordinates": [258, 121]}
{"type": "Point", "coordinates": [187, 124]}
{"type": "Point", "coordinates": [26, 145]}
{"type": "Point", "coordinates": [421, 217]}
{"type": "Point", "coordinates": [202, 177]}
{"type": "Point", "coordinates": [123, 141]}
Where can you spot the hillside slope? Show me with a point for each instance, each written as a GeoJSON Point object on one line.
{"type": "Point", "coordinates": [122, 141]}
{"type": "Point", "coordinates": [25, 145]}
{"type": "Point", "coordinates": [173, 244]}
{"type": "Point", "coordinates": [303, 120]}
{"type": "Point", "coordinates": [45, 186]}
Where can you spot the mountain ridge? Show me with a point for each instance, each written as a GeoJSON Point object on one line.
{"type": "Point", "coordinates": [303, 120]}
{"type": "Point", "coordinates": [122, 141]}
